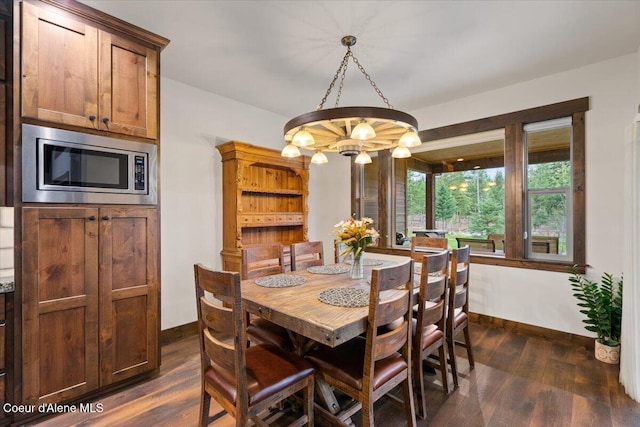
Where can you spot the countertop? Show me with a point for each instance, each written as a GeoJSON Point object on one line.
{"type": "Point", "coordinates": [7, 285]}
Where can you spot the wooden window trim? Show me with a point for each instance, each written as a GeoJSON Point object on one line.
{"type": "Point", "coordinates": [513, 124]}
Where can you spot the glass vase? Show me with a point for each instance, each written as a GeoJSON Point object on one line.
{"type": "Point", "coordinates": [357, 270]}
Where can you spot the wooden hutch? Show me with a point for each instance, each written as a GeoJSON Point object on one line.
{"type": "Point", "coordinates": [264, 198]}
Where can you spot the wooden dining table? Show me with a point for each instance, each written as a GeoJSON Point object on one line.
{"type": "Point", "coordinates": [310, 321]}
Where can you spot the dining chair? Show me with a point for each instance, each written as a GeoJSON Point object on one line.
{"type": "Point", "coordinates": [367, 368]}
{"type": "Point", "coordinates": [429, 323]}
{"type": "Point", "coordinates": [458, 307]}
{"type": "Point", "coordinates": [247, 382]}
{"type": "Point", "coordinates": [421, 244]}
{"type": "Point", "coordinates": [306, 254]}
{"type": "Point", "coordinates": [260, 261]}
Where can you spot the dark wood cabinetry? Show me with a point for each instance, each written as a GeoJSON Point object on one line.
{"type": "Point", "coordinates": [76, 74]}
{"type": "Point", "coordinates": [90, 299]}
{"type": "Point", "coordinates": [264, 197]}
{"type": "Point", "coordinates": [86, 313]}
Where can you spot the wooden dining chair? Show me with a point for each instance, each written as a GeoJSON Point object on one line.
{"type": "Point", "coordinates": [429, 323]}
{"type": "Point", "coordinates": [421, 244]}
{"type": "Point", "coordinates": [245, 381]}
{"type": "Point", "coordinates": [306, 254]}
{"type": "Point", "coordinates": [458, 307]}
{"type": "Point", "coordinates": [368, 368]}
{"type": "Point", "coordinates": [260, 261]}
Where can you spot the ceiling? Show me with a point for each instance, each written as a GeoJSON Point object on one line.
{"type": "Point", "coordinates": [280, 56]}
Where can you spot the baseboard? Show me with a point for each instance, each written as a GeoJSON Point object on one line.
{"type": "Point", "coordinates": [532, 331]}
{"type": "Point", "coordinates": [179, 332]}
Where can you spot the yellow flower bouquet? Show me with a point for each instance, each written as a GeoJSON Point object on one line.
{"type": "Point", "coordinates": [356, 234]}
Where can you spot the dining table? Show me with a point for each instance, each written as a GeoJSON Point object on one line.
{"type": "Point", "coordinates": [293, 301]}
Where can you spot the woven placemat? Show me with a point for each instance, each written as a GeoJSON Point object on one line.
{"type": "Point", "coordinates": [280, 281]}
{"type": "Point", "coordinates": [368, 262]}
{"type": "Point", "coordinates": [329, 269]}
{"type": "Point", "coordinates": [345, 297]}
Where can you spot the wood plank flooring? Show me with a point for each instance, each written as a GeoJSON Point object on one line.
{"type": "Point", "coordinates": [518, 381]}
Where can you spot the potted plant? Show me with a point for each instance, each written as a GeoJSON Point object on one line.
{"type": "Point", "coordinates": [601, 303]}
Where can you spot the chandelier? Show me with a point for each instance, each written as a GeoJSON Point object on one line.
{"type": "Point", "coordinates": [351, 131]}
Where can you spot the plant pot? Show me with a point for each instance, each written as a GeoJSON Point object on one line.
{"type": "Point", "coordinates": [607, 354]}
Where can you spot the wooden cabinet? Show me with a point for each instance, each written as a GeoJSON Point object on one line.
{"type": "Point", "coordinates": [264, 199]}
{"type": "Point", "coordinates": [3, 373]}
{"type": "Point", "coordinates": [90, 299]}
{"type": "Point", "coordinates": [76, 74]}
{"type": "Point", "coordinates": [6, 148]}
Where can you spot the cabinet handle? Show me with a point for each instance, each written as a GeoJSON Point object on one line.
{"type": "Point", "coordinates": [3, 323]}
{"type": "Point", "coordinates": [92, 218]}
{"type": "Point", "coordinates": [92, 117]}
{"type": "Point", "coordinates": [106, 217]}
{"type": "Point", "coordinates": [105, 120]}
{"type": "Point", "coordinates": [2, 373]}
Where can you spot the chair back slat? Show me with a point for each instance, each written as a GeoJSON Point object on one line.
{"type": "Point", "coordinates": [220, 352]}
{"type": "Point", "coordinates": [392, 307]}
{"type": "Point", "coordinates": [433, 313]}
{"type": "Point", "coordinates": [262, 260]}
{"type": "Point", "coordinates": [217, 318]}
{"type": "Point", "coordinates": [460, 298]}
{"type": "Point", "coordinates": [462, 275]}
{"type": "Point", "coordinates": [423, 245]}
{"type": "Point", "coordinates": [390, 342]}
{"type": "Point", "coordinates": [306, 254]}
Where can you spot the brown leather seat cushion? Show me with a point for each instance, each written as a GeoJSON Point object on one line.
{"type": "Point", "coordinates": [269, 370]}
{"type": "Point", "coordinates": [345, 363]}
{"type": "Point", "coordinates": [269, 333]}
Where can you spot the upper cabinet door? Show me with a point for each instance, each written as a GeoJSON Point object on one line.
{"type": "Point", "coordinates": [60, 68]}
{"type": "Point", "coordinates": [128, 87]}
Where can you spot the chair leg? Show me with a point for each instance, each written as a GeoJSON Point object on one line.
{"type": "Point", "coordinates": [367, 413]}
{"type": "Point", "coordinates": [409, 405]}
{"type": "Point", "coordinates": [452, 359]}
{"type": "Point", "coordinates": [205, 404]}
{"type": "Point", "coordinates": [419, 384]}
{"type": "Point", "coordinates": [467, 339]}
{"type": "Point", "coordinates": [443, 368]}
{"type": "Point", "coordinates": [308, 395]}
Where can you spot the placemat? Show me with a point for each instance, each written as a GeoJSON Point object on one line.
{"type": "Point", "coordinates": [329, 269]}
{"type": "Point", "coordinates": [280, 280]}
{"type": "Point", "coordinates": [345, 297]}
{"type": "Point", "coordinates": [368, 262]}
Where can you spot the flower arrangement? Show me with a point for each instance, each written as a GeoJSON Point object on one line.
{"type": "Point", "coordinates": [356, 234]}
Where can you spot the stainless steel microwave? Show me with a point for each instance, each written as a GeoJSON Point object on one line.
{"type": "Point", "coordinates": [60, 166]}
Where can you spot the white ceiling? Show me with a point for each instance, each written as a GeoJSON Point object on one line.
{"type": "Point", "coordinates": [281, 55]}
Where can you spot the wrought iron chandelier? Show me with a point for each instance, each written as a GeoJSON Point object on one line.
{"type": "Point", "coordinates": [351, 131]}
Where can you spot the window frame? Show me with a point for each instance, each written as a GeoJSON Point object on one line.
{"type": "Point", "coordinates": [514, 164]}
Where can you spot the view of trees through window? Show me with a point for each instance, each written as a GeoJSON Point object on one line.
{"type": "Point", "coordinates": [470, 203]}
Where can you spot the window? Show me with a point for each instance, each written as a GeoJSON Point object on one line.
{"type": "Point", "coordinates": [510, 186]}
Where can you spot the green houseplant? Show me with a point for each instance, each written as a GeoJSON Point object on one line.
{"type": "Point", "coordinates": [601, 303]}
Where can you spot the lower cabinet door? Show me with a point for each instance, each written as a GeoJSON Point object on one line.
{"type": "Point", "coordinates": [60, 350]}
{"type": "Point", "coordinates": [128, 293]}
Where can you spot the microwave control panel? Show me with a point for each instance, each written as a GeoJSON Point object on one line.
{"type": "Point", "coordinates": [139, 173]}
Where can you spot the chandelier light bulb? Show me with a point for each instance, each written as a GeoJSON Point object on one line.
{"type": "Point", "coordinates": [363, 131]}
{"type": "Point", "coordinates": [410, 139]}
{"type": "Point", "coordinates": [363, 158]}
{"type": "Point", "coordinates": [319, 158]}
{"type": "Point", "coordinates": [401, 152]}
{"type": "Point", "coordinates": [303, 138]}
{"type": "Point", "coordinates": [290, 150]}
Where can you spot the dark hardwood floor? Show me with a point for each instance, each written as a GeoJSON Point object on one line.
{"type": "Point", "coordinates": [518, 381]}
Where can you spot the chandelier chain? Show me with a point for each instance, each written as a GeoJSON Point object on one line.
{"type": "Point", "coordinates": [366, 75]}
{"type": "Point", "coordinates": [343, 64]}
{"type": "Point", "coordinates": [344, 72]}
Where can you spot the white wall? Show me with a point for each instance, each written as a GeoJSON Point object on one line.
{"type": "Point", "coordinates": [544, 298]}
{"type": "Point", "coordinates": [192, 123]}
